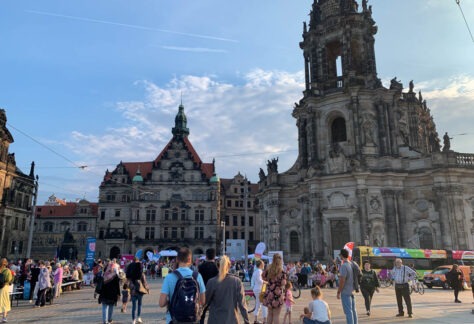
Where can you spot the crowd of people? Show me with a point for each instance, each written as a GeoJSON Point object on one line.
{"type": "Point", "coordinates": [194, 291]}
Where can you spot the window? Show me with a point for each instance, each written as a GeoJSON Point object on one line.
{"type": "Point", "coordinates": [137, 215]}
{"type": "Point", "coordinates": [83, 210]}
{"type": "Point", "coordinates": [242, 220]}
{"type": "Point", "coordinates": [125, 198]}
{"type": "Point", "coordinates": [174, 215]}
{"type": "Point", "coordinates": [236, 203]}
{"type": "Point", "coordinates": [48, 227]}
{"type": "Point", "coordinates": [15, 224]}
{"type": "Point", "coordinates": [23, 224]}
{"type": "Point", "coordinates": [150, 215]}
{"type": "Point", "coordinates": [199, 232]}
{"type": "Point", "coordinates": [199, 215]}
{"type": "Point", "coordinates": [182, 232]}
{"type": "Point", "coordinates": [82, 227]}
{"type": "Point", "coordinates": [64, 226]}
{"type": "Point", "coordinates": [174, 232]}
{"type": "Point", "coordinates": [183, 214]}
{"type": "Point", "coordinates": [102, 214]}
{"type": "Point", "coordinates": [250, 236]}
{"type": "Point", "coordinates": [117, 213]}
{"type": "Point", "coordinates": [249, 204]}
{"type": "Point", "coordinates": [149, 233]}
{"type": "Point", "coordinates": [242, 235]}
{"type": "Point", "coordinates": [20, 247]}
{"type": "Point", "coordinates": [338, 130]}
{"type": "Point", "coordinates": [227, 234]}
{"type": "Point", "coordinates": [234, 220]}
{"type": "Point", "coordinates": [234, 235]}
{"type": "Point", "coordinates": [167, 214]}
{"type": "Point", "coordinates": [229, 203]}
{"type": "Point", "coordinates": [13, 247]}
{"type": "Point", "coordinates": [250, 220]}
{"type": "Point", "coordinates": [110, 197]}
{"type": "Point", "coordinates": [294, 242]}
{"type": "Point", "coordinates": [165, 232]}
{"type": "Point", "coordinates": [101, 234]}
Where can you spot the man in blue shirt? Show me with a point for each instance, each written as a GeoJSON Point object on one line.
{"type": "Point", "coordinates": [346, 288]}
{"type": "Point", "coordinates": [184, 259]}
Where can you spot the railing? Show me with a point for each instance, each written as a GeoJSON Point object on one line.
{"type": "Point", "coordinates": [465, 159]}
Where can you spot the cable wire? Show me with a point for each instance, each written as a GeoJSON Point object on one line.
{"type": "Point", "coordinates": [467, 25]}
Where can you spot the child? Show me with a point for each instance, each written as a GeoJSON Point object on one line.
{"type": "Point", "coordinates": [318, 310]}
{"type": "Point", "coordinates": [289, 301]}
{"type": "Point", "coordinates": [125, 297]}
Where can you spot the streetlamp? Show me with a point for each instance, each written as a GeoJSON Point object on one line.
{"type": "Point", "coordinates": [245, 196]}
{"type": "Point", "coordinates": [223, 237]}
{"type": "Point", "coordinates": [32, 220]}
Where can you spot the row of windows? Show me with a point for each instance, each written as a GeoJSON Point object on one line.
{"type": "Point", "coordinates": [174, 232]}
{"type": "Point", "coordinates": [49, 227]}
{"type": "Point", "coordinates": [235, 220]}
{"type": "Point", "coordinates": [235, 235]}
{"type": "Point", "coordinates": [169, 214]}
{"type": "Point", "coordinates": [16, 247]}
{"type": "Point", "coordinates": [16, 224]}
{"type": "Point", "coordinates": [238, 203]}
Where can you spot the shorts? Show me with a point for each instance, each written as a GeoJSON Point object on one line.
{"type": "Point", "coordinates": [289, 308]}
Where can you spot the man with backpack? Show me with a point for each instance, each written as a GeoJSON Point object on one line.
{"type": "Point", "coordinates": [183, 291]}
{"type": "Point", "coordinates": [348, 282]}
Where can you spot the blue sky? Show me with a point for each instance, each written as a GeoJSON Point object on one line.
{"type": "Point", "coordinates": [100, 81]}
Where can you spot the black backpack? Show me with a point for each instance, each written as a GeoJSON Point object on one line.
{"type": "Point", "coordinates": [3, 280]}
{"type": "Point", "coordinates": [184, 305]}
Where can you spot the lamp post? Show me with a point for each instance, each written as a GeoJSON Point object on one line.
{"type": "Point", "coordinates": [245, 195]}
{"type": "Point", "coordinates": [223, 237]}
{"type": "Point", "coordinates": [32, 219]}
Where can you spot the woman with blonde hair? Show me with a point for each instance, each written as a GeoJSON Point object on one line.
{"type": "Point", "coordinates": [274, 295]}
{"type": "Point", "coordinates": [5, 291]}
{"type": "Point", "coordinates": [225, 296]}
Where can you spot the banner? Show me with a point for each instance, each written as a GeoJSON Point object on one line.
{"type": "Point", "coordinates": [90, 251]}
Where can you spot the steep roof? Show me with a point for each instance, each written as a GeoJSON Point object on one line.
{"type": "Point", "coordinates": [67, 210]}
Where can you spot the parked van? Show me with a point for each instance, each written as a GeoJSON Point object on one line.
{"type": "Point", "coordinates": [437, 278]}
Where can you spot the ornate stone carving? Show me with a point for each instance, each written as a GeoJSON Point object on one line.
{"type": "Point", "coordinates": [375, 204]}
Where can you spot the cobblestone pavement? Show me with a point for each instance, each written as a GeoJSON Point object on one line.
{"type": "Point", "coordinates": [435, 306]}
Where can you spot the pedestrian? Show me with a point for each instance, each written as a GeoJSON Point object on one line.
{"type": "Point", "coordinates": [58, 280]}
{"type": "Point", "coordinates": [274, 296]}
{"type": "Point", "coordinates": [125, 297]}
{"type": "Point", "coordinates": [208, 269]}
{"type": "Point", "coordinates": [289, 302]}
{"type": "Point", "coordinates": [402, 275]}
{"type": "Point", "coordinates": [455, 279]}
{"type": "Point", "coordinates": [258, 285]}
{"type": "Point", "coordinates": [44, 283]}
{"type": "Point", "coordinates": [226, 296]}
{"type": "Point", "coordinates": [345, 291]}
{"type": "Point", "coordinates": [138, 288]}
{"type": "Point", "coordinates": [110, 291]}
{"type": "Point", "coordinates": [184, 259]}
{"type": "Point", "coordinates": [317, 311]}
{"type": "Point", "coordinates": [5, 305]}
{"type": "Point", "coordinates": [368, 285]}
{"type": "Point", "coordinates": [35, 271]}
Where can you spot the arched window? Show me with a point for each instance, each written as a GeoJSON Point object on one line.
{"type": "Point", "coordinates": [426, 238]}
{"type": "Point", "coordinates": [294, 242]}
{"type": "Point", "coordinates": [338, 130]}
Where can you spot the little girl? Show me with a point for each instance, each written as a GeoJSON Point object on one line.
{"type": "Point", "coordinates": [318, 310]}
{"type": "Point", "coordinates": [289, 302]}
{"type": "Point", "coordinates": [125, 297]}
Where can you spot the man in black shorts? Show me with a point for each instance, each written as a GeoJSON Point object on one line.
{"type": "Point", "coordinates": [208, 269]}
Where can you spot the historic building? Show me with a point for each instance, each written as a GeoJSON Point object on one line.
{"type": "Point", "coordinates": [369, 168]}
{"type": "Point", "coordinates": [166, 203]}
{"type": "Point", "coordinates": [62, 228]}
{"type": "Point", "coordinates": [239, 210]}
{"type": "Point", "coordinates": [18, 191]}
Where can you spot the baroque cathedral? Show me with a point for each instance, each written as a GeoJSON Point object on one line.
{"type": "Point", "coordinates": [370, 167]}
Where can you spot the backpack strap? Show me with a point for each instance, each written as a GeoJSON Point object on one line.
{"type": "Point", "coordinates": [195, 277]}
{"type": "Point", "coordinates": [178, 274]}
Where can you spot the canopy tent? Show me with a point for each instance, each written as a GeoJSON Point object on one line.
{"type": "Point", "coordinates": [168, 253]}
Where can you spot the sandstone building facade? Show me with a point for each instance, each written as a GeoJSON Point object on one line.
{"type": "Point", "coordinates": [18, 190]}
{"type": "Point", "coordinates": [370, 167]}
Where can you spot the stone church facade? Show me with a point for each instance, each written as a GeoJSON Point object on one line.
{"type": "Point", "coordinates": [370, 167]}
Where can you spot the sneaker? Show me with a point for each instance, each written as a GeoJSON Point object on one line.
{"type": "Point", "coordinates": [139, 320]}
{"type": "Point", "coordinates": [368, 313]}
{"type": "Point", "coordinates": [4, 320]}
{"type": "Point", "coordinates": [400, 315]}
{"type": "Point", "coordinates": [410, 315]}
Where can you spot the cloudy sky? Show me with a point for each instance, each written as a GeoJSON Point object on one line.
{"type": "Point", "coordinates": [95, 82]}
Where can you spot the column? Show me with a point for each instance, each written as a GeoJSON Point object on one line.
{"type": "Point", "coordinates": [390, 218]}
{"type": "Point", "coordinates": [362, 211]}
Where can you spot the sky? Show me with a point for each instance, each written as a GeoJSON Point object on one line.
{"type": "Point", "coordinates": [87, 84]}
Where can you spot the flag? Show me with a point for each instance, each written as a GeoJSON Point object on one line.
{"type": "Point", "coordinates": [349, 246]}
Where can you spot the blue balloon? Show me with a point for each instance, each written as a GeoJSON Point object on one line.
{"type": "Point", "coordinates": [139, 254]}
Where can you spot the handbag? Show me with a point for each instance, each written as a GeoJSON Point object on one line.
{"type": "Point", "coordinates": [141, 288]}
{"type": "Point", "coordinates": [261, 296]}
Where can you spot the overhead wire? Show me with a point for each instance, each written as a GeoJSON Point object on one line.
{"type": "Point", "coordinates": [458, 2]}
